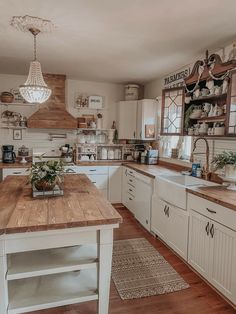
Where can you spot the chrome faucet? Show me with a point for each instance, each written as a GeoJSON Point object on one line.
{"type": "Point", "coordinates": [206, 172]}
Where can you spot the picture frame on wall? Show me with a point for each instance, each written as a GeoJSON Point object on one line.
{"type": "Point", "coordinates": [17, 134]}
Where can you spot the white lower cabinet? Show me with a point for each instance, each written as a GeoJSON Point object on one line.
{"type": "Point", "coordinates": [115, 183]}
{"type": "Point", "coordinates": [143, 197]}
{"type": "Point", "coordinates": [14, 172]}
{"type": "Point", "coordinates": [212, 249]}
{"type": "Point", "coordinates": [171, 225]}
{"type": "Point", "coordinates": [137, 195]}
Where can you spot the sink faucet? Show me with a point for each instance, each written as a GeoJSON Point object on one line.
{"type": "Point", "coordinates": [206, 173]}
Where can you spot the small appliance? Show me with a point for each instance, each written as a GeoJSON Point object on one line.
{"type": "Point", "coordinates": [8, 155]}
{"type": "Point", "coordinates": [152, 157]}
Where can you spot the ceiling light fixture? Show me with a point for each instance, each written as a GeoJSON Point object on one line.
{"type": "Point", "coordinates": [34, 90]}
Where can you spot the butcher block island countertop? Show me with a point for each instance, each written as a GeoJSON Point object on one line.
{"type": "Point", "coordinates": [54, 251]}
{"type": "Point", "coordinates": [81, 205]}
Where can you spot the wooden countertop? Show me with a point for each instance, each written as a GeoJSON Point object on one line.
{"type": "Point", "coordinates": [151, 170]}
{"type": "Point", "coordinates": [15, 165]}
{"type": "Point", "coordinates": [82, 205]}
{"type": "Point", "coordinates": [217, 194]}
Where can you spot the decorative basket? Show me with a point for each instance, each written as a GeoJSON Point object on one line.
{"type": "Point", "coordinates": [7, 97]}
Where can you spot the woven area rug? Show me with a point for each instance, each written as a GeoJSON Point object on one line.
{"type": "Point", "coordinates": [139, 270]}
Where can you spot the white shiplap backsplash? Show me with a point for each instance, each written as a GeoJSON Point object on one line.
{"type": "Point", "coordinates": [216, 146]}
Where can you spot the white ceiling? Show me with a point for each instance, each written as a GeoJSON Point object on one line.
{"type": "Point", "coordinates": [116, 40]}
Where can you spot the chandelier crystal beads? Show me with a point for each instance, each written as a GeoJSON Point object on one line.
{"type": "Point", "coordinates": [34, 90]}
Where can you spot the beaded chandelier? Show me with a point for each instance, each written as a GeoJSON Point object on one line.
{"type": "Point", "coordinates": [34, 90]}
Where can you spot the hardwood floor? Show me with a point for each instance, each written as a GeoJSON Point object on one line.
{"type": "Point", "coordinates": [198, 299]}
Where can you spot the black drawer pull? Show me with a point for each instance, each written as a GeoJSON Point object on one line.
{"type": "Point", "coordinates": [94, 182]}
{"type": "Point", "coordinates": [17, 172]}
{"type": "Point", "coordinates": [92, 169]}
{"type": "Point", "coordinates": [207, 228]}
{"type": "Point", "coordinates": [165, 209]}
{"type": "Point", "coordinates": [211, 211]}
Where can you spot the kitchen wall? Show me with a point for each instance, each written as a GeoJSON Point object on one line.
{"type": "Point", "coordinates": [154, 88]}
{"type": "Point", "coordinates": [40, 138]}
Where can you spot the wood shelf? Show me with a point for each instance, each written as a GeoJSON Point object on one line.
{"type": "Point", "coordinates": [13, 127]}
{"type": "Point", "coordinates": [32, 294]}
{"type": "Point", "coordinates": [212, 119]}
{"type": "Point", "coordinates": [18, 104]}
{"type": "Point", "coordinates": [87, 108]}
{"type": "Point", "coordinates": [90, 129]}
{"type": "Point", "coordinates": [209, 97]}
{"type": "Point", "coordinates": [45, 262]}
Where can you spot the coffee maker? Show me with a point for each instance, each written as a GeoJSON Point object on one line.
{"type": "Point", "coordinates": [8, 155]}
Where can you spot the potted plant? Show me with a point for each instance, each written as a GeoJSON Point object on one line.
{"type": "Point", "coordinates": [226, 161]}
{"type": "Point", "coordinates": [45, 175]}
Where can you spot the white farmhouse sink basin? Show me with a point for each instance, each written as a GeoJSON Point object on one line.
{"type": "Point", "coordinates": [172, 189]}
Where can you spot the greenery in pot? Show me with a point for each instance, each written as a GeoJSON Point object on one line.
{"type": "Point", "coordinates": [44, 175]}
{"type": "Point", "coordinates": [224, 159]}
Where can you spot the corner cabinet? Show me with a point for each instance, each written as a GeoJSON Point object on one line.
{"type": "Point", "coordinates": [137, 119]}
{"type": "Point", "coordinates": [172, 111]}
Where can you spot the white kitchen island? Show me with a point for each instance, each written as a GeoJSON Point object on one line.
{"type": "Point", "coordinates": [54, 251]}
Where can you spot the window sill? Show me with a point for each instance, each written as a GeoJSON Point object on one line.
{"type": "Point", "coordinates": [184, 163]}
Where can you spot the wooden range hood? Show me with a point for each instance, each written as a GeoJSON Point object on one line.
{"type": "Point", "coordinates": [53, 113]}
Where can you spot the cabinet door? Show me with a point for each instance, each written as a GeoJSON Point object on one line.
{"type": "Point", "coordinates": [143, 195]}
{"type": "Point", "coordinates": [178, 230]}
{"type": "Point", "coordinates": [199, 243]}
{"type": "Point", "coordinates": [127, 118]}
{"type": "Point", "coordinates": [159, 218]}
{"type": "Point", "coordinates": [146, 119]}
{"type": "Point", "coordinates": [172, 111]}
{"type": "Point", "coordinates": [223, 261]}
{"type": "Point", "coordinates": [115, 179]}
{"type": "Point", "coordinates": [124, 186]}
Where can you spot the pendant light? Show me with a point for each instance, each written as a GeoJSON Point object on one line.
{"type": "Point", "coordinates": [35, 90]}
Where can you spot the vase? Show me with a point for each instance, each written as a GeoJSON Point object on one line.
{"type": "Point", "coordinates": [43, 185]}
{"type": "Point", "coordinates": [230, 171]}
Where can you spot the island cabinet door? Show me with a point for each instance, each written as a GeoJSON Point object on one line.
{"type": "Point", "coordinates": [223, 260]}
{"type": "Point", "coordinates": [199, 243]}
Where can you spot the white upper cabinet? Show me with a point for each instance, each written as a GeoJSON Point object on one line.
{"type": "Point", "coordinates": [147, 119]}
{"type": "Point", "coordinates": [127, 119]}
{"type": "Point", "coordinates": [137, 119]}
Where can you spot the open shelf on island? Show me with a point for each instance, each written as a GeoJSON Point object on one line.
{"type": "Point", "coordinates": [45, 262]}
{"type": "Point", "coordinates": [37, 293]}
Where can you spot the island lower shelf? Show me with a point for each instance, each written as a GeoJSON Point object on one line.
{"type": "Point", "coordinates": [37, 293]}
{"type": "Point", "coordinates": [51, 261]}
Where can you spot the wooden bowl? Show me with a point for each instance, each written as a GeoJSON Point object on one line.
{"type": "Point", "coordinates": [7, 98]}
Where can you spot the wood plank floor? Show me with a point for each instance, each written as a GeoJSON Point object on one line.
{"type": "Point", "coordinates": [198, 299]}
